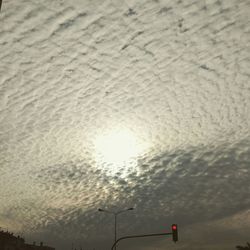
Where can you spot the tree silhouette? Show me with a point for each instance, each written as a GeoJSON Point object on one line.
{"type": "Point", "coordinates": [247, 247]}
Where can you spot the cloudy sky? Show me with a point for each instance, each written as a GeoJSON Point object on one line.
{"type": "Point", "coordinates": [117, 104]}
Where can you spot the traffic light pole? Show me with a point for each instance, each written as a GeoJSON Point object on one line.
{"type": "Point", "coordinates": [137, 236]}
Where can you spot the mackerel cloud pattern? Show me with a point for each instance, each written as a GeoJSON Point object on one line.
{"type": "Point", "coordinates": [169, 78]}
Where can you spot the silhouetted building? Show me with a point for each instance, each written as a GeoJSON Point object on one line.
{"type": "Point", "coordinates": [10, 242]}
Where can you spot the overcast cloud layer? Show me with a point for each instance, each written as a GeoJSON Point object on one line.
{"type": "Point", "coordinates": [173, 74]}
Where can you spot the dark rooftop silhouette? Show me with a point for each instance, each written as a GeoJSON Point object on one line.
{"type": "Point", "coordinates": [10, 241]}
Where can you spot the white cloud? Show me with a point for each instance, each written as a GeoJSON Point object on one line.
{"type": "Point", "coordinates": [175, 74]}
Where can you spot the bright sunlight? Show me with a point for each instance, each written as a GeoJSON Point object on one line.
{"type": "Point", "coordinates": [117, 149]}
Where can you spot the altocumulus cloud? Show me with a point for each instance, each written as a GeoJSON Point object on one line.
{"type": "Point", "coordinates": [173, 75]}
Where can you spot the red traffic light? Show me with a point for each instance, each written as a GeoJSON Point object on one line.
{"type": "Point", "coordinates": [175, 232]}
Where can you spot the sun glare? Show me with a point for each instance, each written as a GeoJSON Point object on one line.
{"type": "Point", "coordinates": [117, 149]}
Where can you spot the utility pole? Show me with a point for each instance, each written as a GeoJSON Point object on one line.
{"type": "Point", "coordinates": [115, 215]}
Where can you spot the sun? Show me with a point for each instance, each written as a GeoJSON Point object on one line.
{"type": "Point", "coordinates": [117, 149]}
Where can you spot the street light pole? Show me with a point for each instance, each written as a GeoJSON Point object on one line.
{"type": "Point", "coordinates": [115, 215]}
{"type": "Point", "coordinates": [115, 226]}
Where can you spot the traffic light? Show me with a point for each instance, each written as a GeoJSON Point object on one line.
{"type": "Point", "coordinates": [175, 232]}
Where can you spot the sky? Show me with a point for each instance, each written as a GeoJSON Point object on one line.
{"type": "Point", "coordinates": [117, 104]}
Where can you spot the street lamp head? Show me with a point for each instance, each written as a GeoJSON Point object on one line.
{"type": "Point", "coordinates": [115, 213]}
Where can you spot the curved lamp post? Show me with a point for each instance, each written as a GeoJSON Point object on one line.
{"type": "Point", "coordinates": [115, 215]}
